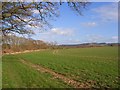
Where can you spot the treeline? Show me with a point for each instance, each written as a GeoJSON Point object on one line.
{"type": "Point", "coordinates": [13, 43]}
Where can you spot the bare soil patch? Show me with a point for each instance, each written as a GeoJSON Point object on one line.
{"type": "Point", "coordinates": [26, 51]}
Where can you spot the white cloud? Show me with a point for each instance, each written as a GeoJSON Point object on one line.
{"type": "Point", "coordinates": [60, 35]}
{"type": "Point", "coordinates": [35, 11]}
{"type": "Point", "coordinates": [115, 37]}
{"type": "Point", "coordinates": [74, 40]}
{"type": "Point", "coordinates": [95, 38]}
{"type": "Point", "coordinates": [70, 41]}
{"type": "Point", "coordinates": [62, 31]}
{"type": "Point", "coordinates": [100, 38]}
{"type": "Point", "coordinates": [107, 12]}
{"type": "Point", "coordinates": [26, 19]}
{"type": "Point", "coordinates": [89, 24]}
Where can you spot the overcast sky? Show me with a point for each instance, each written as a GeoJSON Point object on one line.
{"type": "Point", "coordinates": [99, 23]}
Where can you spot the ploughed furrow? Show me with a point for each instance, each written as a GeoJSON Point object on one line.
{"type": "Point", "coordinates": [65, 79]}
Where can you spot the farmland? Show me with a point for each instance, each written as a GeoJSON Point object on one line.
{"type": "Point", "coordinates": [62, 68]}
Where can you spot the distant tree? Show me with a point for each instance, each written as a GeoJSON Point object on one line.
{"type": "Point", "coordinates": [12, 43]}
{"type": "Point", "coordinates": [17, 16]}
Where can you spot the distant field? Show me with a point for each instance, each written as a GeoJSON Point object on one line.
{"type": "Point", "coordinates": [62, 68]}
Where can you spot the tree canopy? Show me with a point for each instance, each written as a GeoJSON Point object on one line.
{"type": "Point", "coordinates": [17, 16]}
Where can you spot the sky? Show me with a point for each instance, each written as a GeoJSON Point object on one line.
{"type": "Point", "coordinates": [99, 23]}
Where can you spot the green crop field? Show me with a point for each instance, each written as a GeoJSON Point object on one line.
{"type": "Point", "coordinates": [62, 68]}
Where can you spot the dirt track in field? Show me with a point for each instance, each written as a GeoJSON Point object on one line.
{"type": "Point", "coordinates": [65, 79]}
{"type": "Point", "coordinates": [26, 51]}
{"type": "Point", "coordinates": [55, 51]}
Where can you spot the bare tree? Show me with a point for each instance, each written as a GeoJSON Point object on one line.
{"type": "Point", "coordinates": [18, 16]}
{"type": "Point", "coordinates": [13, 43]}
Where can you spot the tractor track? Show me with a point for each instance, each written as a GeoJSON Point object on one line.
{"type": "Point", "coordinates": [65, 79]}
